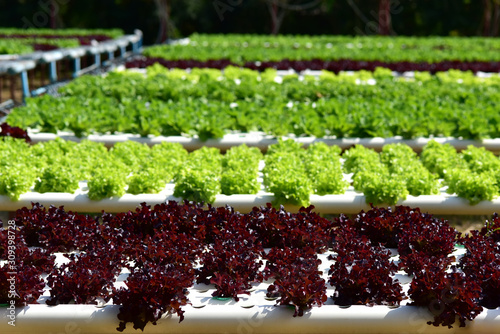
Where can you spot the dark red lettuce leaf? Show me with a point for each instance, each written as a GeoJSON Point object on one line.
{"type": "Point", "coordinates": [152, 291]}
{"type": "Point", "coordinates": [481, 263]}
{"type": "Point", "coordinates": [426, 239]}
{"type": "Point", "coordinates": [319, 64]}
{"type": "Point", "coordinates": [448, 296]}
{"type": "Point", "coordinates": [27, 281]}
{"type": "Point", "coordinates": [55, 229]}
{"type": "Point", "coordinates": [298, 281]}
{"type": "Point", "coordinates": [84, 279]}
{"type": "Point", "coordinates": [13, 131]}
{"type": "Point", "coordinates": [362, 272]}
{"type": "Point", "coordinates": [279, 228]}
{"type": "Point", "coordinates": [232, 261]}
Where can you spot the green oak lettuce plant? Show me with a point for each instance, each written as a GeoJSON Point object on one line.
{"type": "Point", "coordinates": [131, 153]}
{"type": "Point", "coordinates": [438, 158]}
{"type": "Point", "coordinates": [199, 179]}
{"type": "Point", "coordinates": [146, 181]}
{"type": "Point", "coordinates": [57, 178]}
{"type": "Point", "coordinates": [209, 104]}
{"type": "Point", "coordinates": [107, 182]}
{"type": "Point", "coordinates": [285, 173]}
{"type": "Point", "coordinates": [324, 168]}
{"type": "Point", "coordinates": [16, 181]}
{"type": "Point", "coordinates": [403, 162]}
{"type": "Point", "coordinates": [476, 178]}
{"type": "Point", "coordinates": [240, 168]}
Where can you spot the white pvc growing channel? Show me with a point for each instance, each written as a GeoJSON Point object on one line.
{"type": "Point", "coordinates": [350, 202]}
{"type": "Point", "coordinates": [262, 141]}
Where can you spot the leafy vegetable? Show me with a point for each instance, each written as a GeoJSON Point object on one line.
{"type": "Point", "coordinates": [168, 240]}
{"type": "Point", "coordinates": [362, 273]}
{"type": "Point", "coordinates": [476, 176]}
{"type": "Point", "coordinates": [240, 168]}
{"type": "Point", "coordinates": [84, 279]}
{"type": "Point", "coordinates": [106, 183]}
{"type": "Point", "coordinates": [298, 281]}
{"type": "Point", "coordinates": [447, 295]}
{"type": "Point", "coordinates": [57, 179]}
{"type": "Point", "coordinates": [151, 292]}
{"type": "Point", "coordinates": [232, 261]}
{"type": "Point", "coordinates": [241, 49]}
{"type": "Point", "coordinates": [199, 179]}
{"type": "Point", "coordinates": [210, 103]}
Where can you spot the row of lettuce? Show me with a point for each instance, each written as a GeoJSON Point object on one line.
{"type": "Point", "coordinates": [169, 247]}
{"type": "Point", "coordinates": [16, 46]}
{"type": "Point", "coordinates": [288, 171]}
{"type": "Point", "coordinates": [335, 66]}
{"type": "Point", "coordinates": [240, 49]}
{"type": "Point", "coordinates": [59, 33]}
{"type": "Point", "coordinates": [210, 103]}
{"type": "Point", "coordinates": [22, 41]}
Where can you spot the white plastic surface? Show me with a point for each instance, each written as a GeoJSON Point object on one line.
{"type": "Point", "coordinates": [229, 318]}
{"type": "Point", "coordinates": [350, 202]}
{"type": "Point", "coordinates": [262, 141]}
{"type": "Point", "coordinates": [76, 52]}
{"type": "Point", "coordinates": [51, 56]}
{"type": "Point", "coordinates": [16, 66]}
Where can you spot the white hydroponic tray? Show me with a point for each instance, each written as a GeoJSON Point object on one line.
{"type": "Point", "coordinates": [253, 313]}
{"type": "Point", "coordinates": [262, 141]}
{"type": "Point", "coordinates": [350, 202]}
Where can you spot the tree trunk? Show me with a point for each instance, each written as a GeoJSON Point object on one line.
{"type": "Point", "coordinates": [487, 17]}
{"type": "Point", "coordinates": [384, 17]}
{"type": "Point", "coordinates": [52, 14]}
{"type": "Point", "coordinates": [164, 29]}
{"type": "Point", "coordinates": [496, 19]}
{"type": "Point", "coordinates": [491, 18]}
{"type": "Point", "coordinates": [277, 15]}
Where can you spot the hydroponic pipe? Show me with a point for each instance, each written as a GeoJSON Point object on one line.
{"type": "Point", "coordinates": [262, 141]}
{"type": "Point", "coordinates": [328, 204]}
{"type": "Point", "coordinates": [236, 319]}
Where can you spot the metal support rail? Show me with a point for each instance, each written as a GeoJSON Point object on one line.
{"type": "Point", "coordinates": [14, 68]}
{"type": "Point", "coordinates": [19, 65]}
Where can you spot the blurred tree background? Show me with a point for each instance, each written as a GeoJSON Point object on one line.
{"type": "Point", "coordinates": [164, 19]}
